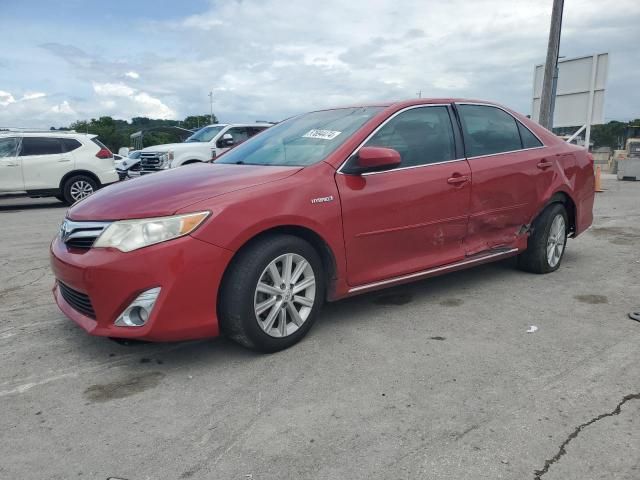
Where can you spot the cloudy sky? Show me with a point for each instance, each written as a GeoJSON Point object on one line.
{"type": "Point", "coordinates": [63, 60]}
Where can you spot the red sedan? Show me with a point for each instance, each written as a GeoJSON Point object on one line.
{"type": "Point", "coordinates": [319, 207]}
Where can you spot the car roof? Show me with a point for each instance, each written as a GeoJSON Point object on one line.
{"type": "Point", "coordinates": [45, 133]}
{"type": "Point", "coordinates": [415, 101]}
{"type": "Point", "coordinates": [255, 124]}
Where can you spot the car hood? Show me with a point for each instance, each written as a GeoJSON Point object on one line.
{"type": "Point", "coordinates": [165, 193]}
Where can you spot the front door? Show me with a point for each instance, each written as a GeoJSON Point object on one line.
{"type": "Point", "coordinates": [413, 217]}
{"type": "Point", "coordinates": [44, 162]}
{"type": "Point", "coordinates": [10, 166]}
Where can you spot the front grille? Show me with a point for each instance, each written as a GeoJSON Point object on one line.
{"type": "Point", "coordinates": [150, 162]}
{"type": "Point", "coordinates": [81, 242]}
{"type": "Point", "coordinates": [81, 235]}
{"type": "Point", "coordinates": [78, 301]}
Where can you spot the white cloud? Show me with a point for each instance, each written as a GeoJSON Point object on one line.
{"type": "Point", "coordinates": [63, 108]}
{"type": "Point", "coordinates": [33, 95]}
{"type": "Point", "coordinates": [152, 107]}
{"type": "Point", "coordinates": [132, 74]}
{"type": "Point", "coordinates": [6, 98]}
{"type": "Point", "coordinates": [131, 101]}
{"type": "Point", "coordinates": [113, 89]}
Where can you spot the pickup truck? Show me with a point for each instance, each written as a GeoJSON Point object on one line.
{"type": "Point", "coordinates": [205, 145]}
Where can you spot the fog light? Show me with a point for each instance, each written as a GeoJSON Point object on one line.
{"type": "Point", "coordinates": [138, 312]}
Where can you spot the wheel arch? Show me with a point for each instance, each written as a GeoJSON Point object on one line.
{"type": "Point", "coordinates": [73, 173]}
{"type": "Point", "coordinates": [321, 246]}
{"type": "Point", "coordinates": [569, 204]}
{"type": "Point", "coordinates": [190, 161]}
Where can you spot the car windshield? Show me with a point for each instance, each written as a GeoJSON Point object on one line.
{"type": "Point", "coordinates": [204, 134]}
{"type": "Point", "coordinates": [135, 155]}
{"type": "Point", "coordinates": [302, 140]}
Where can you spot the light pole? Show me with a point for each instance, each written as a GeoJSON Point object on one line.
{"type": "Point", "coordinates": [550, 79]}
{"type": "Point", "coordinates": [211, 104]}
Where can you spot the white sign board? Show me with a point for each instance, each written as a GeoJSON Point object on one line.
{"type": "Point", "coordinates": [580, 92]}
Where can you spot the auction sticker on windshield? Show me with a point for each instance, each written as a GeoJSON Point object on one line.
{"type": "Point", "coordinates": [322, 134]}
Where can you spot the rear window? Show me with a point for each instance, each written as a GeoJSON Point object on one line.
{"type": "Point", "coordinates": [70, 144]}
{"type": "Point", "coordinates": [40, 146]}
{"type": "Point", "coordinates": [488, 130]}
{"type": "Point", "coordinates": [529, 140]}
{"type": "Point", "coordinates": [8, 147]}
{"type": "Point", "coordinates": [99, 143]}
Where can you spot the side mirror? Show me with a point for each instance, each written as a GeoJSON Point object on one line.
{"type": "Point", "coordinates": [376, 158]}
{"type": "Point", "coordinates": [225, 141]}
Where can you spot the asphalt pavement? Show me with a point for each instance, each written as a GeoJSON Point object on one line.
{"type": "Point", "coordinates": [434, 380]}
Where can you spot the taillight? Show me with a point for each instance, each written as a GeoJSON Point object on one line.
{"type": "Point", "coordinates": [104, 153]}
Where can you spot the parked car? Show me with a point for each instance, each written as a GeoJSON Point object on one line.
{"type": "Point", "coordinates": [205, 145]}
{"type": "Point", "coordinates": [130, 163]}
{"type": "Point", "coordinates": [320, 207]}
{"type": "Point", "coordinates": [67, 165]}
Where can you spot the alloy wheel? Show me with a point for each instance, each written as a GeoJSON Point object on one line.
{"type": "Point", "coordinates": [556, 240]}
{"type": "Point", "coordinates": [80, 189]}
{"type": "Point", "coordinates": [285, 295]}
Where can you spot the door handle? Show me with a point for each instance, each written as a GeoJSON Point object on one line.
{"type": "Point", "coordinates": [544, 163]}
{"type": "Point", "coordinates": [11, 165]}
{"type": "Point", "coordinates": [64, 160]}
{"type": "Point", "coordinates": [457, 179]}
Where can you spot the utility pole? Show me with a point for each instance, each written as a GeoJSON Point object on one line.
{"type": "Point", "coordinates": [550, 80]}
{"type": "Point", "coordinates": [211, 104]}
{"type": "Point", "coordinates": [419, 93]}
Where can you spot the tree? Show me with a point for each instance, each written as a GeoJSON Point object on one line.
{"type": "Point", "coordinates": [608, 134]}
{"type": "Point", "coordinates": [106, 129]}
{"type": "Point", "coordinates": [197, 121]}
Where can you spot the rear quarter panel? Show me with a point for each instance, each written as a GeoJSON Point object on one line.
{"type": "Point", "coordinates": [573, 174]}
{"type": "Point", "coordinates": [584, 189]}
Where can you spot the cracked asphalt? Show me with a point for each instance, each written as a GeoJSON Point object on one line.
{"type": "Point", "coordinates": [435, 380]}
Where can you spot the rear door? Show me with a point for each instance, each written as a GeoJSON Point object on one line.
{"type": "Point", "coordinates": [413, 217]}
{"type": "Point", "coordinates": [511, 171]}
{"type": "Point", "coordinates": [44, 162]}
{"type": "Point", "coordinates": [10, 165]}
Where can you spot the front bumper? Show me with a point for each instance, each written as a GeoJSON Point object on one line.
{"type": "Point", "coordinates": [188, 270]}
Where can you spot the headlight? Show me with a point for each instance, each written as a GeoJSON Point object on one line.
{"type": "Point", "coordinates": [128, 235]}
{"type": "Point", "coordinates": [166, 158]}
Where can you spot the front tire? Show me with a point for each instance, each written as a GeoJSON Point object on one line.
{"type": "Point", "coordinates": [77, 188]}
{"type": "Point", "coordinates": [547, 241]}
{"type": "Point", "coordinates": [272, 293]}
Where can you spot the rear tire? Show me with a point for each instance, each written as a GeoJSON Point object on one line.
{"type": "Point", "coordinates": [547, 242]}
{"type": "Point", "coordinates": [78, 187]}
{"type": "Point", "coordinates": [261, 306]}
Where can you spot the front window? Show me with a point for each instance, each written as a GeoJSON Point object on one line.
{"type": "Point", "coordinates": [205, 134]}
{"type": "Point", "coordinates": [302, 140]}
{"type": "Point", "coordinates": [420, 135]}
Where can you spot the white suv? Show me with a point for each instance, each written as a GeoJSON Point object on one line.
{"type": "Point", "coordinates": [67, 165]}
{"type": "Point", "coordinates": [203, 146]}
